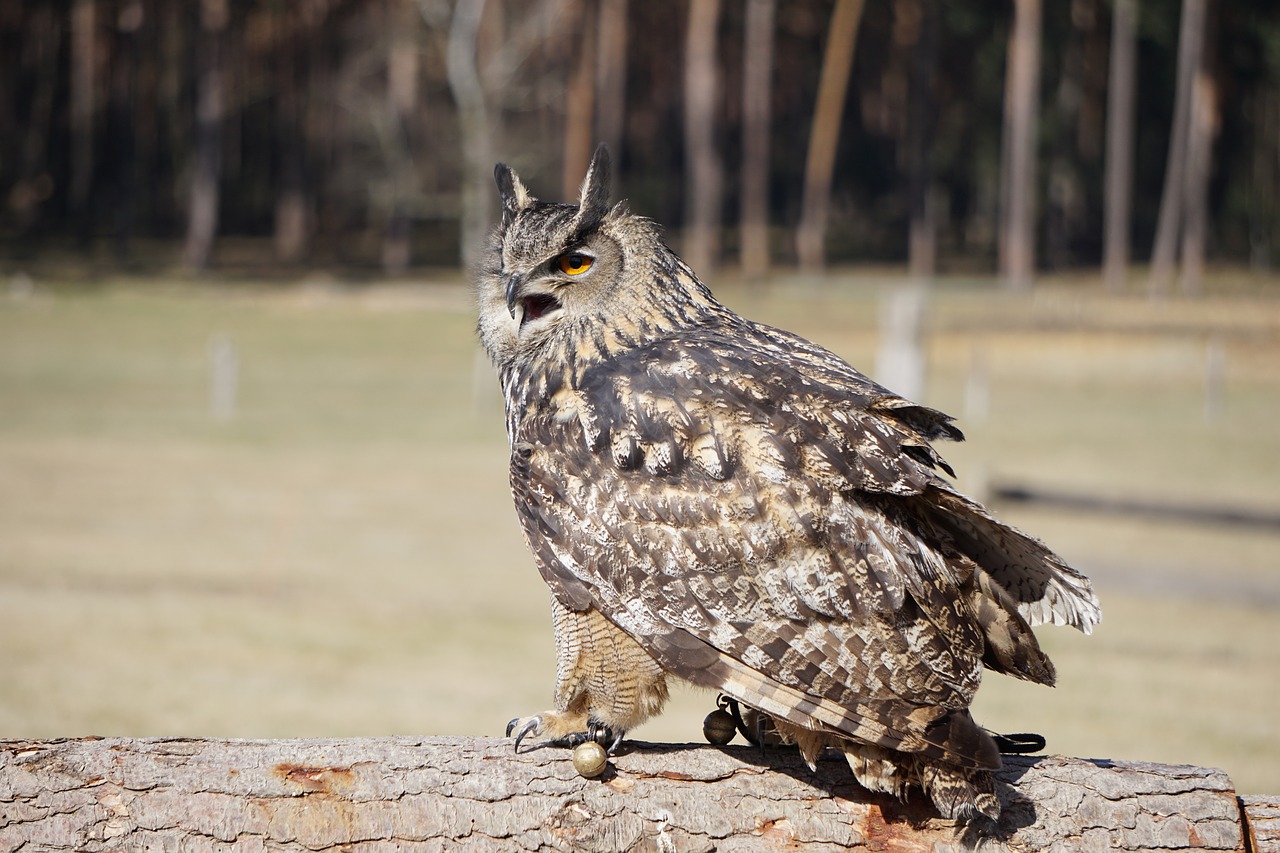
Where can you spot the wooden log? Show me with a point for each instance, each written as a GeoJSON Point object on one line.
{"type": "Point", "coordinates": [1262, 823]}
{"type": "Point", "coordinates": [369, 795]}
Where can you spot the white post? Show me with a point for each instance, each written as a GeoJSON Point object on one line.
{"type": "Point", "coordinates": [224, 374]}
{"type": "Point", "coordinates": [977, 388]}
{"type": "Point", "coordinates": [1215, 374]}
{"type": "Point", "coordinates": [900, 359]}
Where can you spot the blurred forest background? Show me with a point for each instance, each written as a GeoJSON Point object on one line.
{"type": "Point", "coordinates": [971, 135]}
{"type": "Point", "coordinates": [252, 465]}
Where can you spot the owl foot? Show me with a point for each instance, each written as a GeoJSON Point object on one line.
{"type": "Point", "coordinates": [564, 728]}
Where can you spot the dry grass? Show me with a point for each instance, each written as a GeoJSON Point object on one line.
{"type": "Point", "coordinates": [341, 557]}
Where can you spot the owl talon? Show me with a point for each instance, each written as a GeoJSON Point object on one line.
{"type": "Point", "coordinates": [565, 729]}
{"type": "Point", "coordinates": [526, 727]}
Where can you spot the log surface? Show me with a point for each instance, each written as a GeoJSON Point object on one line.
{"type": "Point", "coordinates": [1262, 816]}
{"type": "Point", "coordinates": [368, 795]}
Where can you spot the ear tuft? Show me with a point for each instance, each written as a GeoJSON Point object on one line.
{"type": "Point", "coordinates": [515, 197]}
{"type": "Point", "coordinates": [593, 199]}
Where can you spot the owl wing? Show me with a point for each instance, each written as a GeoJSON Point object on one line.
{"type": "Point", "coordinates": [762, 529]}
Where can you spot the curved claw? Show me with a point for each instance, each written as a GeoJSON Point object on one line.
{"type": "Point", "coordinates": [530, 726]}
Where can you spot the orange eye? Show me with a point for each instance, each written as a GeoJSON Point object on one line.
{"type": "Point", "coordinates": [574, 263]}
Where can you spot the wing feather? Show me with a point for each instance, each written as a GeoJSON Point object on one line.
{"type": "Point", "coordinates": [770, 528]}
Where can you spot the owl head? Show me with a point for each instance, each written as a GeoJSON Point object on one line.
{"type": "Point", "coordinates": [555, 275]}
{"type": "Point", "coordinates": [547, 263]}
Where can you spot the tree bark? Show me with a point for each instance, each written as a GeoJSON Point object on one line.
{"type": "Point", "coordinates": [1022, 85]}
{"type": "Point", "coordinates": [1172, 199]}
{"type": "Point", "coordinates": [701, 88]}
{"type": "Point", "coordinates": [1261, 822]}
{"type": "Point", "coordinates": [819, 165]}
{"type": "Point", "coordinates": [757, 72]}
{"type": "Point", "coordinates": [382, 794]}
{"type": "Point", "coordinates": [1121, 91]}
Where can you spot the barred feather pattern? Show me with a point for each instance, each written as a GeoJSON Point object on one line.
{"type": "Point", "coordinates": [751, 511]}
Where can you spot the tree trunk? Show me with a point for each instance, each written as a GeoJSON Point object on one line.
{"type": "Point", "coordinates": [1018, 210]}
{"type": "Point", "coordinates": [611, 74]}
{"type": "Point", "coordinates": [580, 102]}
{"type": "Point", "coordinates": [292, 220]}
{"type": "Point", "coordinates": [202, 208]}
{"type": "Point", "coordinates": [121, 127]}
{"type": "Point", "coordinates": [1262, 823]}
{"type": "Point", "coordinates": [757, 71]}
{"type": "Point", "coordinates": [922, 240]}
{"type": "Point", "coordinates": [819, 165]}
{"type": "Point", "coordinates": [1264, 175]}
{"type": "Point", "coordinates": [473, 120]}
{"type": "Point", "coordinates": [1121, 92]}
{"type": "Point", "coordinates": [34, 184]}
{"type": "Point", "coordinates": [402, 101]}
{"type": "Point", "coordinates": [701, 91]}
{"type": "Point", "coordinates": [83, 108]}
{"type": "Point", "coordinates": [1169, 222]}
{"type": "Point", "coordinates": [378, 794]}
{"type": "Point", "coordinates": [1195, 192]}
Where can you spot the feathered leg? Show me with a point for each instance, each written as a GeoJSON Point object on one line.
{"type": "Point", "coordinates": [606, 684]}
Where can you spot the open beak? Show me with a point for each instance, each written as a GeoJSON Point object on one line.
{"type": "Point", "coordinates": [531, 305]}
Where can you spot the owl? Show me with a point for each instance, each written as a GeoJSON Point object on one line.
{"type": "Point", "coordinates": [718, 501]}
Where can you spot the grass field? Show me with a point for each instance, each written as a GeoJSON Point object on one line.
{"type": "Point", "coordinates": [340, 556]}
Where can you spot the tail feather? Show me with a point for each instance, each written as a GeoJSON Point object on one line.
{"type": "Point", "coordinates": [1010, 646]}
{"type": "Point", "coordinates": [944, 734]}
{"type": "Point", "coordinates": [958, 793]}
{"type": "Point", "coordinates": [1045, 590]}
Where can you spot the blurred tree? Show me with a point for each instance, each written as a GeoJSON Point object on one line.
{"type": "Point", "coordinates": [757, 70]}
{"type": "Point", "coordinates": [29, 144]}
{"type": "Point", "coordinates": [1018, 153]}
{"type": "Point", "coordinates": [824, 133]}
{"type": "Point", "coordinates": [1263, 195]}
{"type": "Point", "coordinates": [351, 130]}
{"type": "Point", "coordinates": [1173, 199]}
{"type": "Point", "coordinates": [1121, 90]}
{"type": "Point", "coordinates": [1072, 126]}
{"type": "Point", "coordinates": [402, 104]}
{"type": "Point", "coordinates": [473, 118]}
{"type": "Point", "coordinates": [580, 97]}
{"type": "Point", "coordinates": [919, 34]}
{"type": "Point", "coordinates": [84, 60]}
{"type": "Point", "coordinates": [611, 74]}
{"type": "Point", "coordinates": [291, 215]}
{"type": "Point", "coordinates": [202, 206]}
{"type": "Point", "coordinates": [702, 159]}
{"type": "Point", "coordinates": [1201, 125]}
{"type": "Point", "coordinates": [120, 160]}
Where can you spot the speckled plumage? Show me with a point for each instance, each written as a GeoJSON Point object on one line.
{"type": "Point", "coordinates": [728, 503]}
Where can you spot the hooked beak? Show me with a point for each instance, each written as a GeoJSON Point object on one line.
{"type": "Point", "coordinates": [513, 294]}
{"type": "Point", "coordinates": [531, 305]}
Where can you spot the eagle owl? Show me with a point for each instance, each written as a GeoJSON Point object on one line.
{"type": "Point", "coordinates": [727, 503]}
